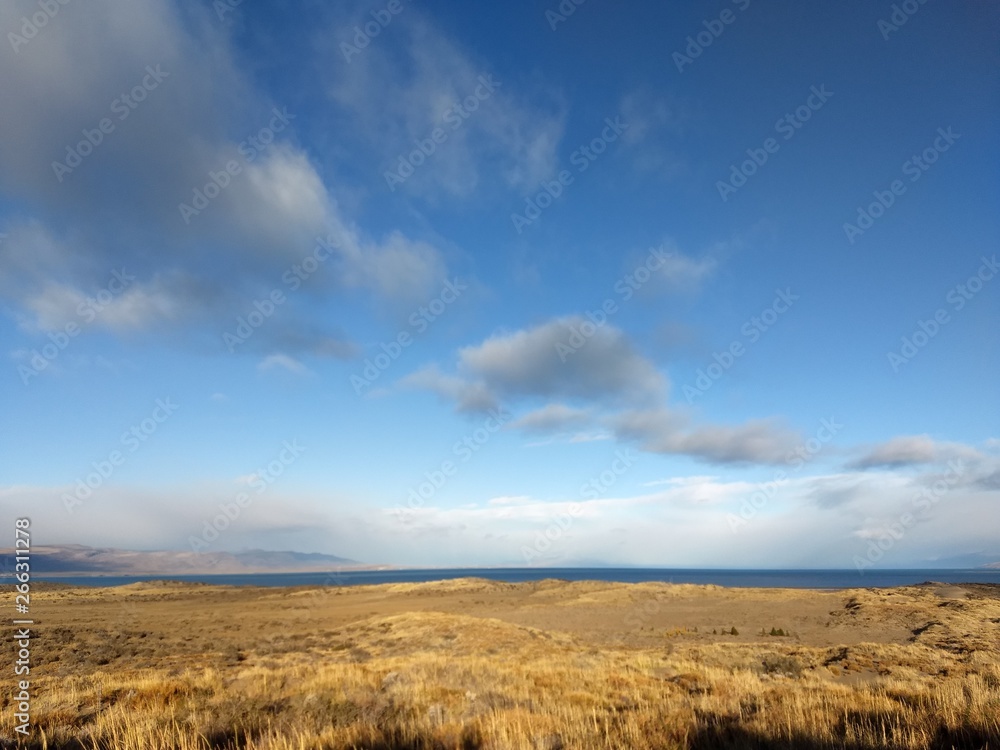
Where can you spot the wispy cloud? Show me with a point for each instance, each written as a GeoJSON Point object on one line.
{"type": "Point", "coordinates": [393, 96]}
{"type": "Point", "coordinates": [283, 361]}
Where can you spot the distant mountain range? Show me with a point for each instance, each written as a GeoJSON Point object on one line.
{"type": "Point", "coordinates": [967, 560]}
{"type": "Point", "coordinates": [76, 559]}
{"type": "Point", "coordinates": [80, 560]}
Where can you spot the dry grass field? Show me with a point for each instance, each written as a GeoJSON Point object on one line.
{"type": "Point", "coordinates": [535, 666]}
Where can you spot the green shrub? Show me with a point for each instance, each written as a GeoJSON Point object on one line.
{"type": "Point", "coordinates": [780, 664]}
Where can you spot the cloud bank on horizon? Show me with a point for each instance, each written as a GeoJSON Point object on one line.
{"type": "Point", "coordinates": [429, 285]}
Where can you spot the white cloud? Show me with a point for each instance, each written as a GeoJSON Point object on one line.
{"type": "Point", "coordinates": [513, 500]}
{"type": "Point", "coordinates": [680, 481]}
{"type": "Point", "coordinates": [689, 522]}
{"type": "Point", "coordinates": [285, 362]}
{"type": "Point", "coordinates": [281, 190]}
{"type": "Point", "coordinates": [397, 269]}
{"type": "Point", "coordinates": [131, 517]}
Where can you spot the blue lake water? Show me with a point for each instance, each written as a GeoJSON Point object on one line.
{"type": "Point", "coordinates": [819, 579]}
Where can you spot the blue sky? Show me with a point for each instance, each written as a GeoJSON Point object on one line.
{"type": "Point", "coordinates": [699, 286]}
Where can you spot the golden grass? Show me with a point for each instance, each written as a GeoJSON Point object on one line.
{"type": "Point", "coordinates": [432, 679]}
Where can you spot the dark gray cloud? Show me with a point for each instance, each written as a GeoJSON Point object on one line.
{"type": "Point", "coordinates": [603, 371]}
{"type": "Point", "coordinates": [829, 492]}
{"type": "Point", "coordinates": [467, 396]}
{"type": "Point", "coordinates": [114, 201]}
{"type": "Point", "coordinates": [990, 481]}
{"type": "Point", "coordinates": [552, 418]}
{"type": "Point", "coordinates": [662, 431]}
{"type": "Point", "coordinates": [912, 450]}
{"type": "Point", "coordinates": [544, 361]}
